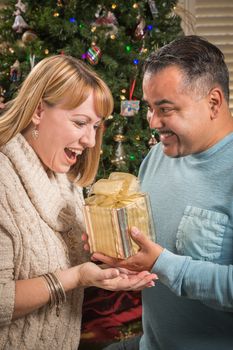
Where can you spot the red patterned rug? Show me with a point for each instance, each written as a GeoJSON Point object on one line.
{"type": "Point", "coordinates": [109, 317]}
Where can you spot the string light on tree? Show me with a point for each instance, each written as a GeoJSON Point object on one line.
{"type": "Point", "coordinates": [127, 48]}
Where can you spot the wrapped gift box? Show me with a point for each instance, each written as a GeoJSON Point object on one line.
{"type": "Point", "coordinates": [116, 206]}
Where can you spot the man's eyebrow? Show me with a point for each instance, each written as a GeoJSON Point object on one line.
{"type": "Point", "coordinates": [160, 102]}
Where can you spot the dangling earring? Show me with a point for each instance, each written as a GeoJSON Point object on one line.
{"type": "Point", "coordinates": [35, 133]}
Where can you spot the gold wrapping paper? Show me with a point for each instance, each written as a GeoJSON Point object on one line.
{"type": "Point", "coordinates": [115, 206]}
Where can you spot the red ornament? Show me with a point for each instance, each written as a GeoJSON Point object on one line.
{"type": "Point", "coordinates": [93, 55]}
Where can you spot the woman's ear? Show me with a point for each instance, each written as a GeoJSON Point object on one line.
{"type": "Point", "coordinates": [37, 116]}
{"type": "Point", "coordinates": [215, 101]}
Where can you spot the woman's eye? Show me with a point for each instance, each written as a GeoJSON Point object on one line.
{"type": "Point", "coordinates": [80, 124]}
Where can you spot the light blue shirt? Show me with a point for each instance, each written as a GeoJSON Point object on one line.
{"type": "Point", "coordinates": [192, 204]}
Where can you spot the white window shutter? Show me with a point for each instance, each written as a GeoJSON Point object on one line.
{"type": "Point", "coordinates": [212, 19]}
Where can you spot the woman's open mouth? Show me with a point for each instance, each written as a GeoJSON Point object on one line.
{"type": "Point", "coordinates": [72, 153]}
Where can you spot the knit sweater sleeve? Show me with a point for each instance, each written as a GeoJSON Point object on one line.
{"type": "Point", "coordinates": [10, 240]}
{"type": "Point", "coordinates": [7, 283]}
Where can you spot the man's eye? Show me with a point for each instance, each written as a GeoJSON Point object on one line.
{"type": "Point", "coordinates": [165, 110]}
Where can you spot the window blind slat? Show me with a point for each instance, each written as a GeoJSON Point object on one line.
{"type": "Point", "coordinates": [213, 19]}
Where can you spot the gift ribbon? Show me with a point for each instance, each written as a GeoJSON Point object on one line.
{"type": "Point", "coordinates": [118, 190]}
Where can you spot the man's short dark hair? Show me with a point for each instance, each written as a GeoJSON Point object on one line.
{"type": "Point", "coordinates": [201, 62]}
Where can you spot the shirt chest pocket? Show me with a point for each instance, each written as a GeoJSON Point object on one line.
{"type": "Point", "coordinates": [200, 234]}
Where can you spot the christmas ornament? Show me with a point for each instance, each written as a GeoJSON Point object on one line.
{"type": "Point", "coordinates": [59, 3]}
{"type": "Point", "coordinates": [32, 60]}
{"type": "Point", "coordinates": [139, 33]}
{"type": "Point", "coordinates": [28, 36]}
{"type": "Point", "coordinates": [19, 23]}
{"type": "Point", "coordinates": [106, 19]}
{"type": "Point", "coordinates": [20, 43]}
{"type": "Point", "coordinates": [120, 156]}
{"type": "Point", "coordinates": [153, 8]}
{"type": "Point", "coordinates": [21, 6]}
{"type": "Point", "coordinates": [93, 55]}
{"type": "Point", "coordinates": [15, 72]}
{"type": "Point", "coordinates": [152, 141]}
{"type": "Point", "coordinates": [130, 107]}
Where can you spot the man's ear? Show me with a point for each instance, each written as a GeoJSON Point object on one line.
{"type": "Point", "coordinates": [215, 101]}
{"type": "Point", "coordinates": [37, 116]}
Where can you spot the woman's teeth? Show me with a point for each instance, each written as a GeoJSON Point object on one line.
{"type": "Point", "coordinates": [73, 150]}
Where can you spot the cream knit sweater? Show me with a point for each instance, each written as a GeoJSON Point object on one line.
{"type": "Point", "coordinates": [40, 228]}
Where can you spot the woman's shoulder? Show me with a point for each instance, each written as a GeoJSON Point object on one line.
{"type": "Point", "coordinates": [7, 171]}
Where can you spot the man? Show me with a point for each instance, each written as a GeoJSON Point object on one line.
{"type": "Point", "coordinates": [189, 176]}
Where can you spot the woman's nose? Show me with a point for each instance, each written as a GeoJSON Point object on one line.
{"type": "Point", "coordinates": [89, 138]}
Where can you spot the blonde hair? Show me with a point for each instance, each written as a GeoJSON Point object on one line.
{"type": "Point", "coordinates": [60, 80]}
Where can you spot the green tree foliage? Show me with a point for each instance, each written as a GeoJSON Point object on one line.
{"type": "Point", "coordinates": [125, 33]}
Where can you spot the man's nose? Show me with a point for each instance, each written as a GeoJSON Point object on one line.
{"type": "Point", "coordinates": [155, 122]}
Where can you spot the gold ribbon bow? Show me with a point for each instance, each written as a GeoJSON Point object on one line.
{"type": "Point", "coordinates": [119, 190]}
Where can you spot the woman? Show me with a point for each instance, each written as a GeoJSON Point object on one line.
{"type": "Point", "coordinates": [50, 138]}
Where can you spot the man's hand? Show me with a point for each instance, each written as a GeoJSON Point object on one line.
{"type": "Point", "coordinates": [142, 261]}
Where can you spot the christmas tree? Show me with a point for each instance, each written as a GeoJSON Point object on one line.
{"type": "Point", "coordinates": [114, 37]}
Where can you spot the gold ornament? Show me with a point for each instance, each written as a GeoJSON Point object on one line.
{"type": "Point", "coordinates": [119, 138]}
{"type": "Point", "coordinates": [28, 36]}
{"type": "Point", "coordinates": [109, 117]}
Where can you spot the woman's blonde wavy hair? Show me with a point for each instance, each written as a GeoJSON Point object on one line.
{"type": "Point", "coordinates": [60, 80]}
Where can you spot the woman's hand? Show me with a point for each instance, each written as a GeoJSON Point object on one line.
{"type": "Point", "coordinates": [90, 274]}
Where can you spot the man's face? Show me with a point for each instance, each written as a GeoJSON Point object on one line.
{"type": "Point", "coordinates": [181, 116]}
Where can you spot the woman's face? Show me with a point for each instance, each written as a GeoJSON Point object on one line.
{"type": "Point", "coordinates": [64, 134]}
